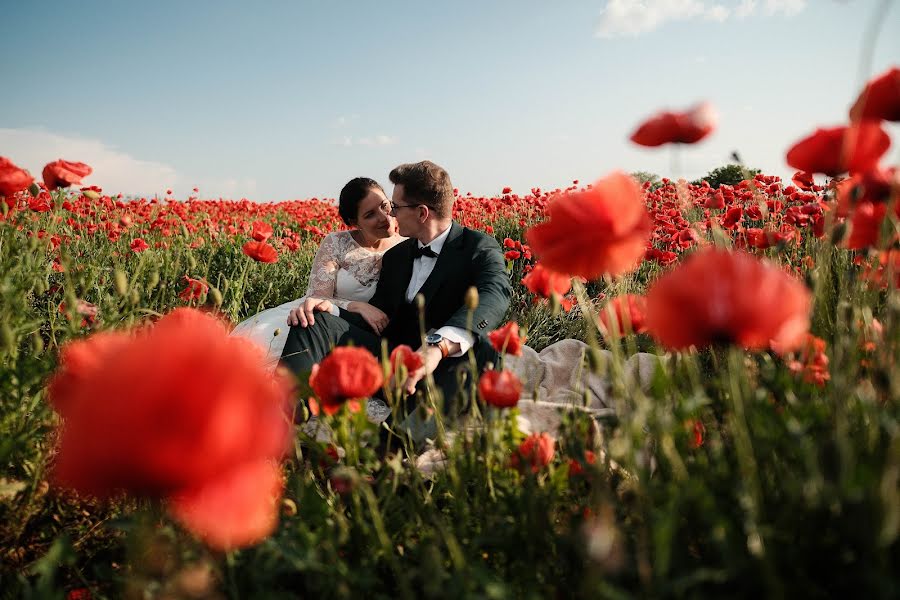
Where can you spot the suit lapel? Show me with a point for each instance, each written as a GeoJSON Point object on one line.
{"type": "Point", "coordinates": [449, 255]}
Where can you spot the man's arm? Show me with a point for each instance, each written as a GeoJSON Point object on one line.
{"type": "Point", "coordinates": [494, 291]}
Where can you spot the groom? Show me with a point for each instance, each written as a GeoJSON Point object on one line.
{"type": "Point", "coordinates": [439, 262]}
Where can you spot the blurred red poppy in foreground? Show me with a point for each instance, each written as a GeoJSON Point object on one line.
{"type": "Point", "coordinates": [546, 283]}
{"type": "Point", "coordinates": [348, 373]}
{"type": "Point", "coordinates": [260, 251]}
{"type": "Point", "coordinates": [880, 99]}
{"type": "Point", "coordinates": [12, 178]}
{"type": "Point", "coordinates": [597, 231]}
{"type": "Point", "coordinates": [836, 150]}
{"type": "Point", "coordinates": [177, 410]}
{"type": "Point", "coordinates": [536, 452]}
{"type": "Point", "coordinates": [406, 356]}
{"type": "Point", "coordinates": [677, 128]}
{"type": "Point", "coordinates": [728, 297]}
{"type": "Point", "coordinates": [506, 339]}
{"type": "Point", "coordinates": [627, 314]}
{"type": "Point", "coordinates": [62, 173]}
{"type": "Point", "coordinates": [500, 388]}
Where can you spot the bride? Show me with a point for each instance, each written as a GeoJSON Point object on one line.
{"type": "Point", "coordinates": [345, 269]}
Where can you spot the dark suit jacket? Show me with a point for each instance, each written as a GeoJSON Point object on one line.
{"type": "Point", "coordinates": [469, 258]}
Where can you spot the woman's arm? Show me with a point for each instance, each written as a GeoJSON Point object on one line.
{"type": "Point", "coordinates": [323, 273]}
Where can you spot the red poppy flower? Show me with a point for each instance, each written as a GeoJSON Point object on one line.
{"type": "Point", "coordinates": [698, 431]}
{"type": "Point", "coordinates": [880, 99]}
{"type": "Point", "coordinates": [237, 509]}
{"type": "Point", "coordinates": [876, 185]}
{"type": "Point", "coordinates": [261, 231]}
{"type": "Point", "coordinates": [139, 245]}
{"type": "Point", "coordinates": [347, 373]}
{"type": "Point", "coordinates": [62, 173]}
{"type": "Point", "coordinates": [406, 356]}
{"type": "Point", "coordinates": [727, 297]}
{"type": "Point", "coordinates": [627, 313]}
{"type": "Point", "coordinates": [500, 388]}
{"type": "Point", "coordinates": [667, 127]}
{"type": "Point", "coordinates": [200, 408]}
{"type": "Point", "coordinates": [506, 339]}
{"type": "Point", "coordinates": [803, 180]}
{"type": "Point", "coordinates": [602, 230]}
{"type": "Point", "coordinates": [546, 283]}
{"type": "Point", "coordinates": [12, 178]}
{"type": "Point", "coordinates": [536, 452]}
{"type": "Point", "coordinates": [865, 225]}
{"type": "Point", "coordinates": [512, 255]}
{"type": "Point", "coordinates": [732, 217]}
{"type": "Point", "coordinates": [195, 289]}
{"type": "Point", "coordinates": [507, 190]}
{"type": "Point", "coordinates": [575, 466]}
{"type": "Point", "coordinates": [836, 150]}
{"type": "Point", "coordinates": [810, 362]}
{"type": "Point", "coordinates": [261, 252]}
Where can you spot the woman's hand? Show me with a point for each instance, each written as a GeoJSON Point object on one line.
{"type": "Point", "coordinates": [376, 319]}
{"type": "Point", "coordinates": [303, 314]}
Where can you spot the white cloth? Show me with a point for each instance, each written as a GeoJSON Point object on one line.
{"type": "Point", "coordinates": [342, 271]}
{"type": "Point", "coordinates": [422, 268]}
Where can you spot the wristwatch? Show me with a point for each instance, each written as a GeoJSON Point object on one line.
{"type": "Point", "coordinates": [436, 339]}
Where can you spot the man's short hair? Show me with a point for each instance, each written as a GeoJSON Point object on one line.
{"type": "Point", "coordinates": [426, 183]}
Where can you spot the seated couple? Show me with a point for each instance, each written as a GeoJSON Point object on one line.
{"type": "Point", "coordinates": [364, 282]}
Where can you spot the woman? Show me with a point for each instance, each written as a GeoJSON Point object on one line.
{"type": "Point", "coordinates": [345, 269]}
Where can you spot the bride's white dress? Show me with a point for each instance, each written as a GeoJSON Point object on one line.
{"type": "Point", "coordinates": [342, 271]}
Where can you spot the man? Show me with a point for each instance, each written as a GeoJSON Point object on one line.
{"type": "Point", "coordinates": [440, 261]}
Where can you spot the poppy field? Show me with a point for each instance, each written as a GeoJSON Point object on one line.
{"type": "Point", "coordinates": [146, 454]}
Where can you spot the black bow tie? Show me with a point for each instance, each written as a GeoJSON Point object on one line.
{"type": "Point", "coordinates": [424, 251]}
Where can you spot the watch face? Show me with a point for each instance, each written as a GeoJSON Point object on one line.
{"type": "Point", "coordinates": [433, 338]}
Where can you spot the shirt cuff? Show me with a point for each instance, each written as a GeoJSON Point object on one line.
{"type": "Point", "coordinates": [335, 310]}
{"type": "Point", "coordinates": [464, 338]}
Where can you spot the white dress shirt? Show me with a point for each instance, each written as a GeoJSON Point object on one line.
{"type": "Point", "coordinates": [422, 268]}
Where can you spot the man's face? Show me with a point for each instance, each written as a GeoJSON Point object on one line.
{"type": "Point", "coordinates": [406, 212]}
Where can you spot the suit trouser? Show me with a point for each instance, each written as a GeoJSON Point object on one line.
{"type": "Point", "coordinates": [306, 346]}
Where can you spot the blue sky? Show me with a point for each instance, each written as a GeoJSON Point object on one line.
{"type": "Point", "coordinates": [282, 100]}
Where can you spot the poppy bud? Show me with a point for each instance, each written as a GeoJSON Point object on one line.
{"type": "Point", "coordinates": [134, 297]}
{"type": "Point", "coordinates": [37, 343]}
{"type": "Point", "coordinates": [7, 337]}
{"type": "Point", "coordinates": [276, 333]}
{"type": "Point", "coordinates": [121, 282]}
{"type": "Point", "coordinates": [154, 280]}
{"type": "Point", "coordinates": [192, 262]}
{"type": "Point", "coordinates": [40, 287]}
{"type": "Point", "coordinates": [33, 244]}
{"type": "Point", "coordinates": [216, 296]}
{"type": "Point", "coordinates": [472, 298]}
{"type": "Point", "coordinates": [420, 301]}
{"type": "Point", "coordinates": [34, 189]}
{"type": "Point", "coordinates": [91, 194]}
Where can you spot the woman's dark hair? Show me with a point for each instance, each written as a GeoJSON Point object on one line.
{"type": "Point", "coordinates": [352, 194]}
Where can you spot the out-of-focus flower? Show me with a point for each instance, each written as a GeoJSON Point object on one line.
{"type": "Point", "coordinates": [500, 388]}
{"type": "Point", "coordinates": [348, 373]}
{"type": "Point", "coordinates": [836, 150]}
{"type": "Point", "coordinates": [63, 173]}
{"type": "Point", "coordinates": [880, 99]}
{"type": "Point", "coordinates": [803, 180]}
{"type": "Point", "coordinates": [260, 251]}
{"type": "Point", "coordinates": [535, 452]}
{"type": "Point", "coordinates": [12, 179]}
{"type": "Point", "coordinates": [627, 314]}
{"type": "Point", "coordinates": [686, 127]}
{"type": "Point", "coordinates": [810, 362]}
{"type": "Point", "coordinates": [176, 410]}
{"type": "Point", "coordinates": [406, 356]}
{"type": "Point", "coordinates": [576, 466]}
{"type": "Point", "coordinates": [547, 283]}
{"type": "Point", "coordinates": [139, 245]}
{"type": "Point", "coordinates": [728, 297]}
{"type": "Point", "coordinates": [597, 231]}
{"type": "Point", "coordinates": [506, 339]}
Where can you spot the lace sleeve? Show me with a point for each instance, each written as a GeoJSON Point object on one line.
{"type": "Point", "coordinates": [323, 274]}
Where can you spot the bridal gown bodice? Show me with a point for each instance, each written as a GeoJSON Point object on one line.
{"type": "Point", "coordinates": [342, 271]}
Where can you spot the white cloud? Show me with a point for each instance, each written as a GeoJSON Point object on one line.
{"type": "Point", "coordinates": [634, 17]}
{"type": "Point", "coordinates": [114, 171]}
{"type": "Point", "coordinates": [377, 140]}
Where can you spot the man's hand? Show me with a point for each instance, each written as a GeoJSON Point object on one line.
{"type": "Point", "coordinates": [431, 356]}
{"type": "Point", "coordinates": [303, 314]}
{"type": "Point", "coordinates": [375, 317]}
